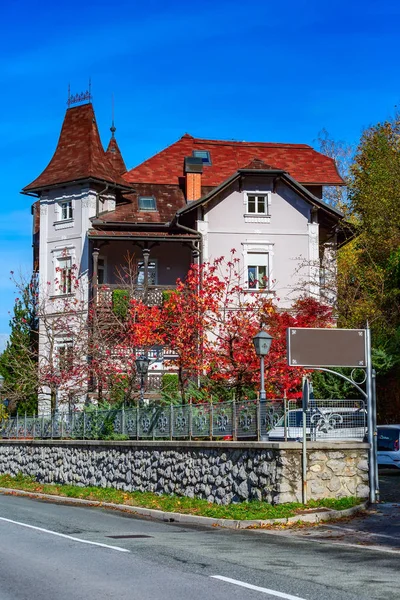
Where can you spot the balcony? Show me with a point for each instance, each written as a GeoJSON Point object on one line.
{"type": "Point", "coordinates": [152, 295]}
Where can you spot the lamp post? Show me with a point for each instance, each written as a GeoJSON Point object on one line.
{"type": "Point", "coordinates": [262, 344]}
{"type": "Point", "coordinates": [142, 367]}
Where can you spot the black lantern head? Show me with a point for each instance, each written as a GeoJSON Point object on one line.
{"type": "Point", "coordinates": [142, 365]}
{"type": "Point", "coordinates": [262, 343]}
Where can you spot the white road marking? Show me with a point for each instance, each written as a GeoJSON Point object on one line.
{"type": "Point", "coordinates": [63, 535]}
{"type": "Point", "coordinates": [257, 588]}
{"type": "Point", "coordinates": [349, 529]}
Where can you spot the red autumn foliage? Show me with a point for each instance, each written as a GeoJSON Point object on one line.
{"type": "Point", "coordinates": [208, 322]}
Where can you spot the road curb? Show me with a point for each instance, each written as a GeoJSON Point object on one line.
{"type": "Point", "coordinates": [310, 517]}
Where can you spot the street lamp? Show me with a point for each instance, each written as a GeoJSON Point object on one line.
{"type": "Point", "coordinates": [142, 367]}
{"type": "Point", "coordinates": [262, 343]}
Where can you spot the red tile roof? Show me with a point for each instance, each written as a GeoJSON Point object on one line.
{"type": "Point", "coordinates": [79, 154]}
{"type": "Point", "coordinates": [258, 164]}
{"type": "Point", "coordinates": [114, 155]}
{"type": "Point", "coordinates": [304, 164]}
{"type": "Point", "coordinates": [169, 198]}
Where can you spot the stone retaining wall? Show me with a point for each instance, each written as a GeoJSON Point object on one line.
{"type": "Point", "coordinates": [221, 472]}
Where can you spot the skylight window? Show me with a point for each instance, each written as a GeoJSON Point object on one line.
{"type": "Point", "coordinates": [147, 203]}
{"type": "Point", "coordinates": [204, 155]}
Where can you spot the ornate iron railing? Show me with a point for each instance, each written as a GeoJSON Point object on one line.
{"type": "Point", "coordinates": [251, 420]}
{"type": "Point", "coordinates": [153, 296]}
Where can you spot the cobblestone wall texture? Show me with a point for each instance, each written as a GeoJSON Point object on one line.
{"type": "Point", "coordinates": [220, 475]}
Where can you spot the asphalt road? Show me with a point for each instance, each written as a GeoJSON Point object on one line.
{"type": "Point", "coordinates": [389, 484]}
{"type": "Point", "coordinates": [101, 554]}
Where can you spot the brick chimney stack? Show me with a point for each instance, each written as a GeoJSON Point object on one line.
{"type": "Point", "coordinates": [193, 171]}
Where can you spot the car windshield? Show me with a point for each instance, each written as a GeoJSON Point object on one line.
{"type": "Point", "coordinates": [388, 439]}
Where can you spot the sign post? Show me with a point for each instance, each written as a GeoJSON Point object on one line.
{"type": "Point", "coordinates": [305, 402]}
{"type": "Point", "coordinates": [321, 348]}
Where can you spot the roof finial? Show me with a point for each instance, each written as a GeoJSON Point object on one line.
{"type": "Point", "coordinates": [82, 97]}
{"type": "Point", "coordinates": [113, 129]}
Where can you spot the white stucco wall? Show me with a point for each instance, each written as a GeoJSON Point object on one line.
{"type": "Point", "coordinates": [60, 237]}
{"type": "Point", "coordinates": [289, 236]}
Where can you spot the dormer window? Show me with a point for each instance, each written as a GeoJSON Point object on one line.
{"type": "Point", "coordinates": [204, 155]}
{"type": "Point", "coordinates": [66, 210]}
{"type": "Point", "coordinates": [147, 203]}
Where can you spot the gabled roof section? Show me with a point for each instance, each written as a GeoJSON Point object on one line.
{"type": "Point", "coordinates": [79, 154]}
{"type": "Point", "coordinates": [115, 157]}
{"type": "Point", "coordinates": [276, 173]}
{"type": "Point", "coordinates": [304, 164]}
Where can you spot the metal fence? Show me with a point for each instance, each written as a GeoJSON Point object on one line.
{"type": "Point", "coordinates": [251, 420]}
{"type": "Point", "coordinates": [326, 419]}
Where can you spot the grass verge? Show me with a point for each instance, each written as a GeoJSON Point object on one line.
{"type": "Point", "coordinates": [179, 504]}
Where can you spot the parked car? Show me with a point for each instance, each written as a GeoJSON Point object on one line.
{"type": "Point", "coordinates": [322, 423]}
{"type": "Point", "coordinates": [389, 446]}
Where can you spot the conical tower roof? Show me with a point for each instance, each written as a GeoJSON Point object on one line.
{"type": "Point", "coordinates": [79, 154]}
{"type": "Point", "coordinates": [115, 157]}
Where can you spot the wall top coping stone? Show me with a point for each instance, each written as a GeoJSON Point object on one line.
{"type": "Point", "coordinates": [330, 445]}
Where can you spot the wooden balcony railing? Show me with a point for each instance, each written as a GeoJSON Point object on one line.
{"type": "Point", "coordinates": [153, 296]}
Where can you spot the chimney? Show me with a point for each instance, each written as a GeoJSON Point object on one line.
{"type": "Point", "coordinates": [193, 171]}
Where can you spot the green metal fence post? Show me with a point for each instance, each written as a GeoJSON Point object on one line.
{"type": "Point", "coordinates": [211, 419]}
{"type": "Point", "coordinates": [190, 417]}
{"type": "Point", "coordinates": [234, 426]}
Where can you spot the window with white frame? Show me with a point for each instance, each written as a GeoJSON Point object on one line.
{"type": "Point", "coordinates": [257, 258]}
{"type": "Point", "coordinates": [64, 275]}
{"type": "Point", "coordinates": [258, 203]}
{"type": "Point", "coordinates": [257, 207]}
{"type": "Point", "coordinates": [66, 210]}
{"type": "Point", "coordinates": [65, 356]}
{"type": "Point", "coordinates": [258, 270]}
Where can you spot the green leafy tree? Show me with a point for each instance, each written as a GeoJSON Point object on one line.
{"type": "Point", "coordinates": [369, 266]}
{"type": "Point", "coordinates": [18, 362]}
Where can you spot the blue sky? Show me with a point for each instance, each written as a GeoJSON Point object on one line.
{"type": "Point", "coordinates": [255, 70]}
